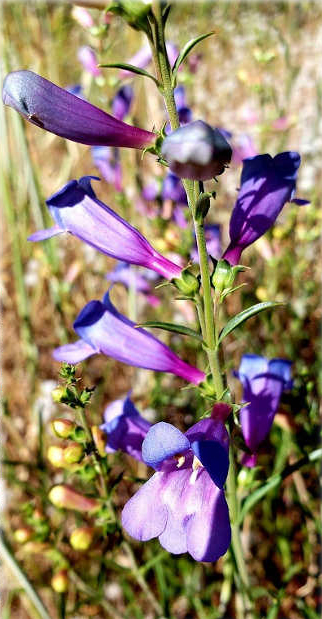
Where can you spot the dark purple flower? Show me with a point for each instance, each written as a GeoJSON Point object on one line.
{"type": "Point", "coordinates": [87, 57]}
{"type": "Point", "coordinates": [213, 242]}
{"type": "Point", "coordinates": [52, 108]}
{"type": "Point", "coordinates": [263, 382]}
{"type": "Point", "coordinates": [131, 278]}
{"type": "Point", "coordinates": [267, 183]}
{"type": "Point", "coordinates": [183, 503]}
{"type": "Point", "coordinates": [103, 329]}
{"type": "Point", "coordinates": [122, 102]}
{"type": "Point", "coordinates": [76, 209]}
{"type": "Point", "coordinates": [196, 151]}
{"type": "Point", "coordinates": [125, 428]}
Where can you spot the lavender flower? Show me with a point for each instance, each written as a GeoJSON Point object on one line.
{"type": "Point", "coordinates": [267, 183]}
{"type": "Point", "coordinates": [107, 160]}
{"type": "Point", "coordinates": [58, 111]}
{"type": "Point", "coordinates": [183, 503]}
{"type": "Point", "coordinates": [263, 382]}
{"type": "Point", "coordinates": [88, 60]}
{"type": "Point", "coordinates": [76, 209]}
{"type": "Point", "coordinates": [129, 277]}
{"type": "Point", "coordinates": [196, 151]}
{"type": "Point", "coordinates": [103, 329]}
{"type": "Point", "coordinates": [125, 428]}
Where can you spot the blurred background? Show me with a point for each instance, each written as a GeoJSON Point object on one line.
{"type": "Point", "coordinates": [259, 78]}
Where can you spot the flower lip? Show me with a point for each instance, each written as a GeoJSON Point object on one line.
{"type": "Point", "coordinates": [90, 314]}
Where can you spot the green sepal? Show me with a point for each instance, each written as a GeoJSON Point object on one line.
{"type": "Point", "coordinates": [187, 283]}
{"type": "Point", "coordinates": [169, 326]}
{"type": "Point", "coordinates": [237, 320]}
{"type": "Point", "coordinates": [184, 53]}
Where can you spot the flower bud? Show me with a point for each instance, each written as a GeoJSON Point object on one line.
{"type": "Point", "coordinates": [23, 534]}
{"type": "Point", "coordinates": [55, 455]}
{"type": "Point", "coordinates": [221, 411]}
{"type": "Point", "coordinates": [196, 151]}
{"type": "Point", "coordinates": [62, 427]}
{"type": "Point", "coordinates": [73, 453]}
{"type": "Point", "coordinates": [58, 394]}
{"type": "Point", "coordinates": [81, 538]}
{"type": "Point", "coordinates": [223, 276]}
{"type": "Point", "coordinates": [59, 581]}
{"type": "Point", "coordinates": [66, 498]}
{"type": "Point", "coordinates": [99, 439]}
{"type": "Point", "coordinates": [187, 283]}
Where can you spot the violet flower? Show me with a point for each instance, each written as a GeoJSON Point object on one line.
{"type": "Point", "coordinates": [173, 189]}
{"type": "Point", "coordinates": [122, 102]}
{"type": "Point", "coordinates": [125, 428]}
{"type": "Point", "coordinates": [87, 58]}
{"type": "Point", "coordinates": [267, 183]}
{"type": "Point", "coordinates": [54, 109]}
{"type": "Point", "coordinates": [76, 209]}
{"type": "Point", "coordinates": [183, 503]}
{"type": "Point", "coordinates": [102, 329]}
{"type": "Point", "coordinates": [131, 278]}
{"type": "Point", "coordinates": [108, 162]}
{"type": "Point", "coordinates": [263, 382]}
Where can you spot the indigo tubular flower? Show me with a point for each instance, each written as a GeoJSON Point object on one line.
{"type": "Point", "coordinates": [263, 382]}
{"type": "Point", "coordinates": [267, 183]}
{"type": "Point", "coordinates": [56, 110]}
{"type": "Point", "coordinates": [103, 329]}
{"type": "Point", "coordinates": [125, 428]}
{"type": "Point", "coordinates": [183, 503]}
{"type": "Point", "coordinates": [76, 209]}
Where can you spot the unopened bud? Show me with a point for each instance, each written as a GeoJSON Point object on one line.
{"type": "Point", "coordinates": [224, 275]}
{"type": "Point", "coordinates": [196, 151]}
{"type": "Point", "coordinates": [187, 283]}
{"type": "Point", "coordinates": [66, 498]}
{"type": "Point", "coordinates": [55, 455]}
{"type": "Point", "coordinates": [59, 581]}
{"type": "Point", "coordinates": [62, 427]}
{"type": "Point", "coordinates": [58, 394]}
{"type": "Point", "coordinates": [81, 538]}
{"type": "Point", "coordinates": [221, 411]}
{"type": "Point", "coordinates": [99, 439]}
{"type": "Point", "coordinates": [73, 453]}
{"type": "Point", "coordinates": [23, 534]}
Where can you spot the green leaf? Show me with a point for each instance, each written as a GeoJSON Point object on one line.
{"type": "Point", "coordinates": [184, 53]}
{"type": "Point", "coordinates": [258, 495]}
{"type": "Point", "coordinates": [244, 315]}
{"type": "Point", "coordinates": [169, 326]}
{"type": "Point", "coordinates": [129, 67]}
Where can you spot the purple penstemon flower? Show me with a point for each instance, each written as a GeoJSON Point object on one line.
{"type": "Point", "coordinates": [102, 329]}
{"type": "Point", "coordinates": [129, 277]}
{"type": "Point", "coordinates": [125, 428]}
{"type": "Point", "coordinates": [267, 183]}
{"type": "Point", "coordinates": [263, 382]}
{"type": "Point", "coordinates": [183, 503]}
{"type": "Point", "coordinates": [76, 209]}
{"type": "Point", "coordinates": [56, 110]}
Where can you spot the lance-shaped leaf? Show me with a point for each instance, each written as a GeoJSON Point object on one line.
{"type": "Point", "coordinates": [237, 320]}
{"type": "Point", "coordinates": [131, 68]}
{"type": "Point", "coordinates": [169, 326]}
{"type": "Point", "coordinates": [185, 51]}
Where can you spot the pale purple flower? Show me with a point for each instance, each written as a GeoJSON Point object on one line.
{"type": "Point", "coordinates": [54, 109]}
{"type": "Point", "coordinates": [125, 428]}
{"type": "Point", "coordinates": [82, 16]}
{"type": "Point", "coordinates": [108, 162]}
{"type": "Point", "coordinates": [243, 148]}
{"type": "Point", "coordinates": [88, 59]}
{"type": "Point", "coordinates": [267, 183]}
{"type": "Point", "coordinates": [76, 209]}
{"type": "Point", "coordinates": [263, 381]}
{"type": "Point", "coordinates": [131, 278]}
{"type": "Point", "coordinates": [104, 330]}
{"type": "Point", "coordinates": [183, 503]}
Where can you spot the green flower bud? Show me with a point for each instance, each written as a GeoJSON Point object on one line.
{"type": "Point", "coordinates": [79, 434]}
{"type": "Point", "coordinates": [66, 498]}
{"type": "Point", "coordinates": [55, 455]}
{"type": "Point", "coordinates": [23, 534]}
{"type": "Point", "coordinates": [187, 283]}
{"type": "Point", "coordinates": [81, 538]}
{"type": "Point", "coordinates": [62, 427]}
{"type": "Point", "coordinates": [59, 394]}
{"type": "Point", "coordinates": [224, 275]}
{"type": "Point", "coordinates": [59, 581]}
{"type": "Point", "coordinates": [73, 453]}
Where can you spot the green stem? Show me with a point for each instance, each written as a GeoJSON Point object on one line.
{"type": "Point", "coordinates": [18, 573]}
{"type": "Point", "coordinates": [97, 459]}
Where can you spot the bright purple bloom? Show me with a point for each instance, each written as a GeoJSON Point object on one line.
{"type": "Point", "coordinates": [129, 277]}
{"type": "Point", "coordinates": [76, 209]}
{"type": "Point", "coordinates": [87, 58]}
{"type": "Point", "coordinates": [52, 108]}
{"type": "Point", "coordinates": [183, 503]}
{"type": "Point", "coordinates": [125, 428]}
{"type": "Point", "coordinates": [213, 242]}
{"type": "Point", "coordinates": [107, 160]}
{"type": "Point", "coordinates": [263, 382]}
{"type": "Point", "coordinates": [103, 329]}
{"type": "Point", "coordinates": [122, 102]}
{"type": "Point", "coordinates": [267, 183]}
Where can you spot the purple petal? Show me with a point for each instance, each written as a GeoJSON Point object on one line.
{"type": "Point", "coordinates": [163, 441]}
{"type": "Point", "coordinates": [125, 427]}
{"type": "Point", "coordinates": [251, 366]}
{"type": "Point", "coordinates": [173, 494]}
{"type": "Point", "coordinates": [58, 111]}
{"type": "Point", "coordinates": [42, 235]}
{"type": "Point", "coordinates": [144, 516]}
{"type": "Point", "coordinates": [282, 368]}
{"type": "Point", "coordinates": [74, 353]}
{"type": "Point", "coordinates": [87, 58]}
{"type": "Point", "coordinates": [208, 530]}
{"type": "Point", "coordinates": [214, 458]}
{"type": "Point", "coordinates": [122, 102]}
{"type": "Point", "coordinates": [76, 209]}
